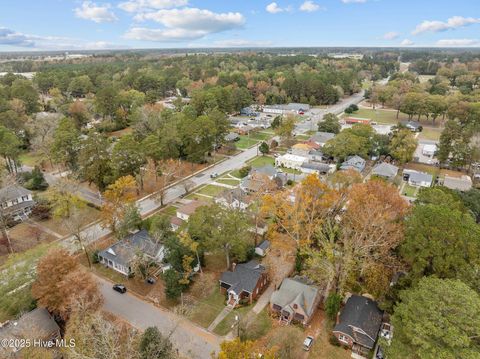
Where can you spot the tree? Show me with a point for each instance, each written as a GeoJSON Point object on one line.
{"type": "Point", "coordinates": [106, 102]}
{"type": "Point", "coordinates": [437, 318]}
{"type": "Point", "coordinates": [130, 221]}
{"type": "Point", "coordinates": [443, 242]}
{"type": "Point", "coordinates": [80, 86]}
{"type": "Point", "coordinates": [9, 148]}
{"type": "Point", "coordinates": [23, 90]}
{"type": "Point", "coordinates": [63, 199]}
{"type": "Point", "coordinates": [471, 200]}
{"type": "Point", "coordinates": [286, 127]}
{"type": "Point", "coordinates": [101, 338]}
{"type": "Point", "coordinates": [173, 287]}
{"type": "Point", "coordinates": [346, 144]}
{"type": "Point", "coordinates": [329, 124]}
{"type": "Point", "coordinates": [238, 349]}
{"type": "Point", "coordinates": [127, 157]}
{"type": "Point", "coordinates": [79, 113]}
{"type": "Point", "coordinates": [222, 229]}
{"type": "Point", "coordinates": [34, 180]}
{"type": "Point", "coordinates": [263, 148]}
{"type": "Point", "coordinates": [153, 345]}
{"type": "Point", "coordinates": [118, 197]}
{"type": "Point", "coordinates": [403, 145]}
{"type": "Point", "coordinates": [332, 305]}
{"type": "Point", "coordinates": [94, 164]}
{"type": "Point", "coordinates": [65, 144]}
{"type": "Point", "coordinates": [62, 287]}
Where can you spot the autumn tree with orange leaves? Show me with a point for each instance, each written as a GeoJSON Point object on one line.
{"type": "Point", "coordinates": [119, 197]}
{"type": "Point", "coordinates": [63, 287]}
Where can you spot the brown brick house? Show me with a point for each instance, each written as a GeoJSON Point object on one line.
{"type": "Point", "coordinates": [245, 281]}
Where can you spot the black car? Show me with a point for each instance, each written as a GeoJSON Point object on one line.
{"type": "Point", "coordinates": [120, 288]}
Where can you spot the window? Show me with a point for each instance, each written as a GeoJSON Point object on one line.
{"type": "Point", "coordinates": [343, 338]}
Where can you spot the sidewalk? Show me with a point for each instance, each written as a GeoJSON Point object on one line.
{"type": "Point", "coordinates": [219, 318]}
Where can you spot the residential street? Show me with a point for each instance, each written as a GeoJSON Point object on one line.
{"type": "Point", "coordinates": [191, 340]}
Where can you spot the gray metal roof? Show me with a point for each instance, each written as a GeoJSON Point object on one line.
{"type": "Point", "coordinates": [363, 313]}
{"type": "Point", "coordinates": [244, 277]}
{"type": "Point", "coordinates": [268, 170]}
{"type": "Point", "coordinates": [354, 162]}
{"type": "Point", "coordinates": [321, 167]}
{"type": "Point", "coordinates": [322, 137]}
{"type": "Point", "coordinates": [463, 183]}
{"type": "Point", "coordinates": [12, 192]}
{"type": "Point", "coordinates": [125, 250]}
{"type": "Point", "coordinates": [385, 170]}
{"type": "Point", "coordinates": [416, 176]}
{"type": "Point", "coordinates": [296, 291]}
{"type": "Point", "coordinates": [264, 245]}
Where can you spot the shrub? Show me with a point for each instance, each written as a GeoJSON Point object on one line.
{"type": "Point", "coordinates": [332, 339]}
{"type": "Point", "coordinates": [244, 171]}
{"type": "Point", "coordinates": [332, 305]}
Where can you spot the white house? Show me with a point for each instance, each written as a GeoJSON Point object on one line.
{"type": "Point", "coordinates": [16, 202]}
{"type": "Point", "coordinates": [234, 198]}
{"type": "Point", "coordinates": [290, 161]}
{"type": "Point", "coordinates": [429, 150]}
{"type": "Point", "coordinates": [188, 209]}
{"type": "Point", "coordinates": [417, 179]}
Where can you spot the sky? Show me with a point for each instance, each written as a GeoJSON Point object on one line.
{"type": "Point", "coordinates": [27, 25]}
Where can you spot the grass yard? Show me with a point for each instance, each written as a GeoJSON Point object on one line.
{"type": "Point", "coordinates": [322, 349]}
{"type": "Point", "coordinates": [236, 174]}
{"type": "Point", "coordinates": [409, 191]}
{"type": "Point", "coordinates": [291, 170]}
{"type": "Point", "coordinates": [262, 161]}
{"type": "Point", "coordinates": [170, 210]}
{"type": "Point", "coordinates": [199, 197]}
{"type": "Point", "coordinates": [25, 236]}
{"type": "Point", "coordinates": [246, 142]}
{"type": "Point", "coordinates": [225, 326]}
{"type": "Point", "coordinates": [228, 181]}
{"type": "Point", "coordinates": [302, 137]}
{"type": "Point", "coordinates": [423, 168]}
{"type": "Point", "coordinates": [207, 309]}
{"type": "Point", "coordinates": [429, 133]}
{"type": "Point", "coordinates": [211, 190]}
{"type": "Point", "coordinates": [261, 136]}
{"type": "Point", "coordinates": [30, 159]}
{"type": "Point", "coordinates": [380, 116]}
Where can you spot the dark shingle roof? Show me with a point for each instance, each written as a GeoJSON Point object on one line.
{"type": "Point", "coordinates": [244, 278]}
{"type": "Point", "coordinates": [12, 192]}
{"type": "Point", "coordinates": [37, 324]}
{"type": "Point", "coordinates": [363, 313]}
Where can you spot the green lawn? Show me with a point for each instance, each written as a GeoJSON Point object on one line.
{"type": "Point", "coordinates": [379, 116]}
{"type": "Point", "coordinates": [302, 137]}
{"type": "Point", "coordinates": [430, 134]}
{"type": "Point", "coordinates": [229, 181]}
{"type": "Point", "coordinates": [246, 142]}
{"type": "Point", "coordinates": [211, 190]}
{"type": "Point", "coordinates": [262, 161]}
{"type": "Point", "coordinates": [206, 310]}
{"type": "Point", "coordinates": [225, 325]}
{"type": "Point", "coordinates": [409, 191]}
{"type": "Point", "coordinates": [261, 136]}
{"type": "Point", "coordinates": [30, 159]}
{"type": "Point", "coordinates": [291, 170]}
{"type": "Point", "coordinates": [170, 210]}
{"type": "Point", "coordinates": [199, 197]}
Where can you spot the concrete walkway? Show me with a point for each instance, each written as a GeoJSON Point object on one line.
{"type": "Point", "coordinates": [219, 318]}
{"type": "Point", "coordinates": [264, 299]}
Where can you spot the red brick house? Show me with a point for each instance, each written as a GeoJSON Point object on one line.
{"type": "Point", "coordinates": [245, 281]}
{"type": "Point", "coordinates": [358, 324]}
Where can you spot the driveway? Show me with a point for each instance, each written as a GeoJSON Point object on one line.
{"type": "Point", "coordinates": [191, 340]}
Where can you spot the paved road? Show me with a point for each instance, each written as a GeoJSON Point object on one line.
{"type": "Point", "coordinates": [191, 340]}
{"type": "Point", "coordinates": [316, 114]}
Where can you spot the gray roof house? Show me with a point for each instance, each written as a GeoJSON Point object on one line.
{"type": "Point", "coordinates": [234, 198]}
{"type": "Point", "coordinates": [37, 324]}
{"type": "Point", "coordinates": [320, 138]}
{"type": "Point", "coordinates": [245, 281]}
{"type": "Point", "coordinates": [296, 299]}
{"type": "Point", "coordinates": [120, 255]}
{"type": "Point", "coordinates": [418, 179]}
{"type": "Point", "coordinates": [262, 248]}
{"type": "Point", "coordinates": [353, 162]}
{"type": "Point", "coordinates": [316, 167]}
{"type": "Point", "coordinates": [16, 202]}
{"type": "Point", "coordinates": [359, 323]}
{"type": "Point", "coordinates": [267, 170]}
{"type": "Point", "coordinates": [232, 136]}
{"type": "Point", "coordinates": [385, 170]}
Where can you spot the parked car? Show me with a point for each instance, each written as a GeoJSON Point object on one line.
{"type": "Point", "coordinates": [151, 280]}
{"type": "Point", "coordinates": [214, 175]}
{"type": "Point", "coordinates": [307, 343]}
{"type": "Point", "coordinates": [120, 288]}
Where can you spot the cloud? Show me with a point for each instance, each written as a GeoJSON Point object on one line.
{"type": "Point", "coordinates": [96, 13]}
{"type": "Point", "coordinates": [407, 42]}
{"type": "Point", "coordinates": [452, 23]}
{"type": "Point", "coordinates": [13, 38]}
{"type": "Point", "coordinates": [458, 42]}
{"type": "Point", "coordinates": [392, 35]}
{"type": "Point", "coordinates": [241, 43]}
{"type": "Point", "coordinates": [184, 24]}
{"type": "Point", "coordinates": [354, 1]}
{"type": "Point", "coordinates": [144, 5]}
{"type": "Point", "coordinates": [273, 8]}
{"type": "Point", "coordinates": [310, 6]}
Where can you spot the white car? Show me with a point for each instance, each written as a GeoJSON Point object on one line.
{"type": "Point", "coordinates": [307, 343]}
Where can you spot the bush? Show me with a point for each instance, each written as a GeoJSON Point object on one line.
{"type": "Point", "coordinates": [332, 305]}
{"type": "Point", "coordinates": [94, 256]}
{"type": "Point", "coordinates": [41, 211]}
{"type": "Point", "coordinates": [332, 339]}
{"type": "Point", "coordinates": [173, 288]}
{"type": "Point", "coordinates": [34, 181]}
{"type": "Point", "coordinates": [244, 171]}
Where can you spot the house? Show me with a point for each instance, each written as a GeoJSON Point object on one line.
{"type": "Point", "coordinates": [232, 137]}
{"type": "Point", "coordinates": [246, 282]}
{"type": "Point", "coordinates": [297, 299]}
{"type": "Point", "coordinates": [317, 167]}
{"type": "Point", "coordinates": [385, 170]}
{"type": "Point", "coordinates": [353, 162]}
{"type": "Point", "coordinates": [429, 150]}
{"type": "Point", "coordinates": [248, 111]}
{"type": "Point", "coordinates": [321, 138]}
{"type": "Point", "coordinates": [463, 183]}
{"type": "Point", "coordinates": [358, 324]}
{"type": "Point", "coordinates": [258, 177]}
{"type": "Point", "coordinates": [121, 254]}
{"type": "Point", "coordinates": [413, 126]}
{"type": "Point", "coordinates": [290, 161]}
{"type": "Point", "coordinates": [176, 223]}
{"type": "Point", "coordinates": [262, 248]}
{"type": "Point", "coordinates": [417, 179]}
{"type": "Point", "coordinates": [37, 324]}
{"type": "Point", "coordinates": [16, 202]}
{"type": "Point", "coordinates": [267, 170]}
{"type": "Point", "coordinates": [284, 109]}
{"type": "Point", "coordinates": [185, 211]}
{"type": "Point", "coordinates": [300, 149]}
{"type": "Point", "coordinates": [234, 198]}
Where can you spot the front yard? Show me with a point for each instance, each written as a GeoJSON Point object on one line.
{"type": "Point", "coordinates": [262, 161]}
{"type": "Point", "coordinates": [206, 310]}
